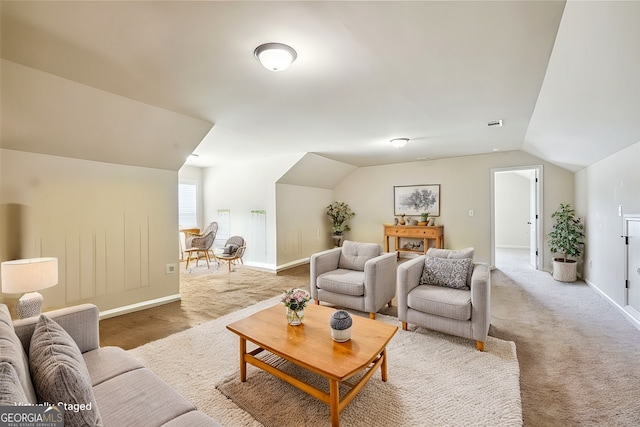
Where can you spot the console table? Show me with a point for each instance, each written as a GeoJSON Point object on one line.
{"type": "Point", "coordinates": [413, 232]}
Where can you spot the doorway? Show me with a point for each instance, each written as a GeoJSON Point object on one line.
{"type": "Point", "coordinates": [632, 237]}
{"type": "Point", "coordinates": [516, 226]}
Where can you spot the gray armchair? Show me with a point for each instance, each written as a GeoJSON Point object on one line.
{"type": "Point", "coordinates": [359, 276]}
{"type": "Point", "coordinates": [442, 295]}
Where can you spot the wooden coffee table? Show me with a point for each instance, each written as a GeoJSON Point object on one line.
{"type": "Point", "coordinates": [311, 347]}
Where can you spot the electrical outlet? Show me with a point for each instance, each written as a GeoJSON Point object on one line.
{"type": "Point", "coordinates": [170, 268]}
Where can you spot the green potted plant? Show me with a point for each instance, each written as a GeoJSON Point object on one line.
{"type": "Point", "coordinates": [339, 213]}
{"type": "Point", "coordinates": [566, 239]}
{"type": "Point", "coordinates": [424, 218]}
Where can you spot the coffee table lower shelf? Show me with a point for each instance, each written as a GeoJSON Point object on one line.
{"type": "Point", "coordinates": [332, 398]}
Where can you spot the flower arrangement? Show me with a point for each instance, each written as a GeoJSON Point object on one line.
{"type": "Point", "coordinates": [339, 213]}
{"type": "Point", "coordinates": [295, 299]}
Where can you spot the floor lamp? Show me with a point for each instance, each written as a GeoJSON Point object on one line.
{"type": "Point", "coordinates": [29, 276]}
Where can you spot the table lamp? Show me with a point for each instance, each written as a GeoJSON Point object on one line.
{"type": "Point", "coordinates": [29, 276]}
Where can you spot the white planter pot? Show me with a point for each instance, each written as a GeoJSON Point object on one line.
{"type": "Point", "coordinates": [341, 335]}
{"type": "Point", "coordinates": [565, 271]}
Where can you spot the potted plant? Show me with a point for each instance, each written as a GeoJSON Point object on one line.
{"type": "Point", "coordinates": [339, 213]}
{"type": "Point", "coordinates": [565, 238]}
{"type": "Point", "coordinates": [424, 218]}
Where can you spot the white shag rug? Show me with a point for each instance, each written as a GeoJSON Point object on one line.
{"type": "Point", "coordinates": [433, 380]}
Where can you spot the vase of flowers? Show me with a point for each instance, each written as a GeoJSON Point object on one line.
{"type": "Point", "coordinates": [295, 300]}
{"type": "Point", "coordinates": [339, 213]}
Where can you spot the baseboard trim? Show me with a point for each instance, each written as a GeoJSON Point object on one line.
{"type": "Point", "coordinates": [633, 320]}
{"type": "Point", "coordinates": [138, 306]}
{"type": "Point", "coordinates": [512, 247]}
{"type": "Point", "coordinates": [292, 264]}
{"type": "Point", "coordinates": [278, 268]}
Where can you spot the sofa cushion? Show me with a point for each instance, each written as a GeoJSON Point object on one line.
{"type": "Point", "coordinates": [11, 393]}
{"type": "Point", "coordinates": [446, 302]}
{"type": "Point", "coordinates": [451, 253]}
{"type": "Point", "coordinates": [451, 273]}
{"type": "Point", "coordinates": [60, 374]}
{"type": "Point", "coordinates": [105, 363]}
{"type": "Point", "coordinates": [139, 398]}
{"type": "Point", "coordinates": [355, 254]}
{"type": "Point", "coordinates": [13, 353]}
{"type": "Point", "coordinates": [342, 281]}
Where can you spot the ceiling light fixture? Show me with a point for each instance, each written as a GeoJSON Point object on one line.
{"type": "Point", "coordinates": [275, 56]}
{"type": "Point", "coordinates": [399, 142]}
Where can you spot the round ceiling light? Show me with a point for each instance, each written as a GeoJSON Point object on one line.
{"type": "Point", "coordinates": [275, 56]}
{"type": "Point", "coordinates": [399, 142]}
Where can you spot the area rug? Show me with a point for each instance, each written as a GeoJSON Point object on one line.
{"type": "Point", "coordinates": [433, 380]}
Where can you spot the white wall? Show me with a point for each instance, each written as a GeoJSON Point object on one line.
{"type": "Point", "coordinates": [112, 227]}
{"type": "Point", "coordinates": [600, 189]}
{"type": "Point", "coordinates": [512, 210]}
{"type": "Point", "coordinates": [242, 187]}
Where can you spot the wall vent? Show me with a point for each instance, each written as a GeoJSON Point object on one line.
{"type": "Point", "coordinates": [496, 123]}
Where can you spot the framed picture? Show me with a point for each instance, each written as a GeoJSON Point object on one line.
{"type": "Point", "coordinates": [416, 199]}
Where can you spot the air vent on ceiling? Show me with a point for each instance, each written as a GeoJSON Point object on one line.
{"type": "Point", "coordinates": [493, 123]}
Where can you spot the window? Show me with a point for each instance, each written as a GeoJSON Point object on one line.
{"type": "Point", "coordinates": [187, 205]}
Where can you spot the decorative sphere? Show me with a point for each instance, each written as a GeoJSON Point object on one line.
{"type": "Point", "coordinates": [340, 320]}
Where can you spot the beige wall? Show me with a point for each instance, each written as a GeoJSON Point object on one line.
{"type": "Point", "coordinates": [600, 189]}
{"type": "Point", "coordinates": [465, 184]}
{"type": "Point", "coordinates": [112, 227]}
{"type": "Point", "coordinates": [303, 227]}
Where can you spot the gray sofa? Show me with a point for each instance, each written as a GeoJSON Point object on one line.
{"type": "Point", "coordinates": [125, 392]}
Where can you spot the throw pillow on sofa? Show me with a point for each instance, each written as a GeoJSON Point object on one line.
{"type": "Point", "coordinates": [10, 391]}
{"type": "Point", "coordinates": [447, 272]}
{"type": "Point", "coordinates": [60, 374]}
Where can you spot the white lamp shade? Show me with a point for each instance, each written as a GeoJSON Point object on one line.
{"type": "Point", "coordinates": [275, 56]}
{"type": "Point", "coordinates": [29, 275]}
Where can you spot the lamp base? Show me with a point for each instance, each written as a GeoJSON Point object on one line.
{"type": "Point", "coordinates": [29, 305]}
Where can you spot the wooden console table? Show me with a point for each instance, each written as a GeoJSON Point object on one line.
{"type": "Point", "coordinates": [413, 232]}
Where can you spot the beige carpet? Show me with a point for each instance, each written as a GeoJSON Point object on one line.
{"type": "Point", "coordinates": [434, 380]}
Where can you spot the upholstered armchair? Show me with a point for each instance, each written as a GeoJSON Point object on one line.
{"type": "Point", "coordinates": [359, 276]}
{"type": "Point", "coordinates": [445, 291]}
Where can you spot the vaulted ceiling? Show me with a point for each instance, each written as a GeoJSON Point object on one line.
{"type": "Point", "coordinates": [147, 83]}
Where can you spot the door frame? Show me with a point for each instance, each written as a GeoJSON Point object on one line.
{"type": "Point", "coordinates": [628, 308]}
{"type": "Point", "coordinates": [539, 209]}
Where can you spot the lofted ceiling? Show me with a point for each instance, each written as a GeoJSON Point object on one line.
{"type": "Point", "coordinates": [147, 83]}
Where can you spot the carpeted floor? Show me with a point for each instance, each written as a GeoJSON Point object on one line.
{"type": "Point", "coordinates": [471, 388]}
{"type": "Point", "coordinates": [579, 357]}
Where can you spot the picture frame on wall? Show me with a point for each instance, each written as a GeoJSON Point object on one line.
{"type": "Point", "coordinates": [416, 199]}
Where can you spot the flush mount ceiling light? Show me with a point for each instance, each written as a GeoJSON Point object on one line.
{"type": "Point", "coordinates": [399, 142]}
{"type": "Point", "coordinates": [275, 56]}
